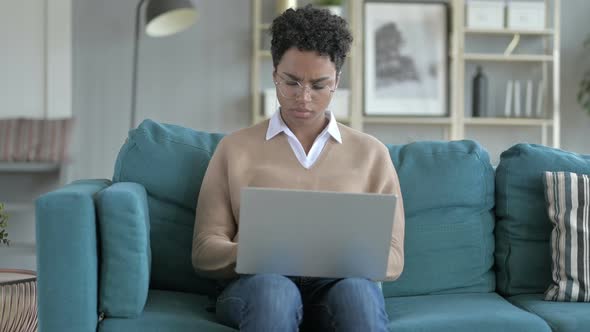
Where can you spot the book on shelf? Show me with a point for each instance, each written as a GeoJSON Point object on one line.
{"type": "Point", "coordinates": [508, 103]}
{"type": "Point", "coordinates": [540, 98]}
{"type": "Point", "coordinates": [517, 102]}
{"type": "Point", "coordinates": [528, 104]}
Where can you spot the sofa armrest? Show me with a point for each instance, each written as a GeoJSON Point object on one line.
{"type": "Point", "coordinates": [67, 257]}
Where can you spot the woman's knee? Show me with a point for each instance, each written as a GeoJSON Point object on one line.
{"type": "Point", "coordinates": [356, 291]}
{"type": "Point", "coordinates": [355, 304]}
{"type": "Point", "coordinates": [259, 301]}
{"type": "Point", "coordinates": [273, 290]}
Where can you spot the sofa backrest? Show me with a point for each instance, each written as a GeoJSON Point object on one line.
{"type": "Point", "coordinates": [170, 162]}
{"type": "Point", "coordinates": [523, 228]}
{"type": "Point", "coordinates": [448, 192]}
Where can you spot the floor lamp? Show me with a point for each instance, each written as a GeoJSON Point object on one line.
{"type": "Point", "coordinates": [162, 18]}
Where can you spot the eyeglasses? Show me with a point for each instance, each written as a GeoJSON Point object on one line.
{"type": "Point", "coordinates": [290, 89]}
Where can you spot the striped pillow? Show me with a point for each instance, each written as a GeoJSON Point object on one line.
{"type": "Point", "coordinates": [568, 198]}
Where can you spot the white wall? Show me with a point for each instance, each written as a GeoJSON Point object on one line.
{"type": "Point", "coordinates": [35, 61]}
{"type": "Point", "coordinates": [35, 82]}
{"type": "Point", "coordinates": [198, 78]}
{"type": "Point", "coordinates": [22, 60]}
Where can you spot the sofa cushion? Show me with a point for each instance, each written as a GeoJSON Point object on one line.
{"type": "Point", "coordinates": [168, 311]}
{"type": "Point", "coordinates": [523, 229]}
{"type": "Point", "coordinates": [125, 258]}
{"type": "Point", "coordinates": [568, 200]}
{"type": "Point", "coordinates": [170, 162]}
{"type": "Point", "coordinates": [459, 312]}
{"type": "Point", "coordinates": [448, 191]}
{"type": "Point", "coordinates": [561, 317]}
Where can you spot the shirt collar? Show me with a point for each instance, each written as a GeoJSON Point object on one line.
{"type": "Point", "coordinates": [276, 125]}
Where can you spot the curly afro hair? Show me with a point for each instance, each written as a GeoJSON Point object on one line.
{"type": "Point", "coordinates": [310, 29]}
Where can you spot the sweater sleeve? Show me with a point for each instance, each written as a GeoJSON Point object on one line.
{"type": "Point", "coordinates": [214, 252]}
{"type": "Point", "coordinates": [390, 185]}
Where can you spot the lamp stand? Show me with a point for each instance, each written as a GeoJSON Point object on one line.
{"type": "Point", "coordinates": [135, 61]}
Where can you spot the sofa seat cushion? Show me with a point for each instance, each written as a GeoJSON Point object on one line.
{"type": "Point", "coordinates": [175, 311]}
{"type": "Point", "coordinates": [460, 312]}
{"type": "Point", "coordinates": [168, 311]}
{"type": "Point", "coordinates": [561, 316]}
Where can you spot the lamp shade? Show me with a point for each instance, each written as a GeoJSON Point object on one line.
{"type": "Point", "coordinates": [167, 17]}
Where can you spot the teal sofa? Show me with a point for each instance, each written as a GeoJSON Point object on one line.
{"type": "Point", "coordinates": [114, 255]}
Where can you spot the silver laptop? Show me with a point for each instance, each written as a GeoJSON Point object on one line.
{"type": "Point", "coordinates": [314, 234]}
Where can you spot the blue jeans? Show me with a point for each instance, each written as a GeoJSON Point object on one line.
{"type": "Point", "coordinates": [270, 302]}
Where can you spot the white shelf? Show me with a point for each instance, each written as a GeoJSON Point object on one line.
{"type": "Point", "coordinates": [18, 248]}
{"type": "Point", "coordinates": [508, 58]}
{"type": "Point", "coordinates": [374, 119]}
{"type": "Point", "coordinates": [544, 32]}
{"type": "Point", "coordinates": [547, 60]}
{"type": "Point", "coordinates": [17, 207]}
{"type": "Point", "coordinates": [25, 246]}
{"type": "Point", "coordinates": [28, 167]}
{"type": "Point", "coordinates": [507, 122]}
{"type": "Point", "coordinates": [454, 124]}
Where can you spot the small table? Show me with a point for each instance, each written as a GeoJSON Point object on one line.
{"type": "Point", "coordinates": [18, 300]}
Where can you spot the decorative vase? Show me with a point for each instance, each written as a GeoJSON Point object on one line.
{"type": "Point", "coordinates": [480, 94]}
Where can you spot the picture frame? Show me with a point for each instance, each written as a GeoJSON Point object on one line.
{"type": "Point", "coordinates": [406, 58]}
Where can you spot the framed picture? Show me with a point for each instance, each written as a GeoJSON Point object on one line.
{"type": "Point", "coordinates": [406, 58]}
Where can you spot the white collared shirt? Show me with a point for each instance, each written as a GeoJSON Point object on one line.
{"type": "Point", "coordinates": [276, 126]}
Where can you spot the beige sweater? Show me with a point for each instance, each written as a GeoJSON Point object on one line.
{"type": "Point", "coordinates": [246, 159]}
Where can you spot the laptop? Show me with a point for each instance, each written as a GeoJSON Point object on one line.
{"type": "Point", "coordinates": [314, 233]}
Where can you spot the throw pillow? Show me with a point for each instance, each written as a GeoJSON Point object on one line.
{"type": "Point", "coordinates": [568, 198]}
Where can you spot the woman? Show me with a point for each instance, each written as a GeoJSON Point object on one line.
{"type": "Point", "coordinates": [300, 147]}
